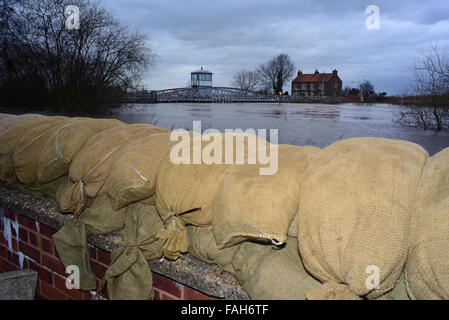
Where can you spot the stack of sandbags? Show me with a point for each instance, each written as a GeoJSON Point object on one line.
{"type": "Point", "coordinates": [11, 141]}
{"type": "Point", "coordinates": [65, 142]}
{"type": "Point", "coordinates": [133, 175]}
{"type": "Point", "coordinates": [268, 273]}
{"type": "Point", "coordinates": [427, 270]}
{"type": "Point", "coordinates": [355, 207]}
{"type": "Point", "coordinates": [260, 207]}
{"type": "Point", "coordinates": [27, 152]}
{"type": "Point", "coordinates": [91, 165]}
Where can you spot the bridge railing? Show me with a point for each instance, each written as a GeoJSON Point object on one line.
{"type": "Point", "coordinates": [215, 94]}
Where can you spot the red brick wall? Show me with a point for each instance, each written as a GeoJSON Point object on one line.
{"type": "Point", "coordinates": [34, 244]}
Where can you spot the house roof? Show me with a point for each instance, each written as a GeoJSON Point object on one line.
{"type": "Point", "coordinates": [202, 71]}
{"type": "Point", "coordinates": [313, 77]}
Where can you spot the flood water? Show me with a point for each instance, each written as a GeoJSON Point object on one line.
{"type": "Point", "coordinates": [300, 124]}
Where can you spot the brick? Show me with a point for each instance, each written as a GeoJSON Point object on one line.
{"type": "Point", "coordinates": [192, 294]}
{"type": "Point", "coordinates": [87, 295]}
{"type": "Point", "coordinates": [47, 245]}
{"type": "Point", "coordinates": [98, 269]}
{"type": "Point", "coordinates": [43, 274]}
{"type": "Point", "coordinates": [104, 257]}
{"type": "Point", "coordinates": [33, 239]}
{"type": "Point", "coordinates": [27, 222]}
{"type": "Point", "coordinates": [38, 296]}
{"type": "Point", "coordinates": [60, 284]}
{"type": "Point", "coordinates": [166, 296]}
{"type": "Point", "coordinates": [6, 266]}
{"type": "Point", "coordinates": [3, 240]}
{"type": "Point", "coordinates": [8, 213]}
{"type": "Point", "coordinates": [157, 295]}
{"type": "Point", "coordinates": [46, 230]}
{"type": "Point", "coordinates": [23, 234]}
{"type": "Point", "coordinates": [93, 253]}
{"type": "Point", "coordinates": [38, 285]}
{"type": "Point", "coordinates": [53, 264]}
{"type": "Point", "coordinates": [167, 285]}
{"type": "Point", "coordinates": [29, 251]}
{"type": "Point", "coordinates": [3, 251]}
{"type": "Point", "coordinates": [13, 258]}
{"type": "Point", "coordinates": [15, 247]}
{"type": "Point", "coordinates": [51, 293]}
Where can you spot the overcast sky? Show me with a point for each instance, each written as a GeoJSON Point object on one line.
{"type": "Point", "coordinates": [232, 35]}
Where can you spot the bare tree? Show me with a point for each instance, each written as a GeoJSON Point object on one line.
{"type": "Point", "coordinates": [76, 68]}
{"type": "Point", "coordinates": [428, 108]}
{"type": "Point", "coordinates": [276, 72]}
{"type": "Point", "coordinates": [366, 88]}
{"type": "Point", "coordinates": [246, 80]}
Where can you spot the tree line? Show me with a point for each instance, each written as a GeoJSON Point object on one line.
{"type": "Point", "coordinates": [269, 77]}
{"type": "Point", "coordinates": [45, 64]}
{"type": "Point", "coordinates": [427, 106]}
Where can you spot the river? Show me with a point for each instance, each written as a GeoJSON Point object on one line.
{"type": "Point", "coordinates": [300, 124]}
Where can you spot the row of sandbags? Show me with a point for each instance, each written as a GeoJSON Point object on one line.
{"type": "Point", "coordinates": [356, 204]}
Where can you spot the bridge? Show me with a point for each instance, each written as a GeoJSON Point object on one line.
{"type": "Point", "coordinates": [204, 94]}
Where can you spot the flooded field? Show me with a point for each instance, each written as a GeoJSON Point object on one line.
{"type": "Point", "coordinates": [300, 124]}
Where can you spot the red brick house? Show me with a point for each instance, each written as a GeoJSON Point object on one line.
{"type": "Point", "coordinates": [317, 84]}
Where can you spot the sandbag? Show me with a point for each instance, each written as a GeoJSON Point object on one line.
{"type": "Point", "coordinates": [268, 273]}
{"type": "Point", "coordinates": [39, 190]}
{"type": "Point", "coordinates": [399, 291]}
{"type": "Point", "coordinates": [100, 218]}
{"type": "Point", "coordinates": [202, 246]}
{"type": "Point", "coordinates": [4, 116]}
{"type": "Point", "coordinates": [10, 134]}
{"type": "Point", "coordinates": [65, 142]}
{"type": "Point", "coordinates": [260, 207]}
{"type": "Point", "coordinates": [9, 122]}
{"type": "Point", "coordinates": [428, 259]}
{"type": "Point", "coordinates": [71, 244]}
{"type": "Point", "coordinates": [29, 148]}
{"type": "Point", "coordinates": [293, 227]}
{"type": "Point", "coordinates": [133, 175]}
{"type": "Point", "coordinates": [129, 275]}
{"type": "Point", "coordinates": [91, 166]}
{"type": "Point", "coordinates": [355, 205]}
{"type": "Point", "coordinates": [185, 191]}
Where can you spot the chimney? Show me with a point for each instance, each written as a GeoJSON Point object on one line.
{"type": "Point", "coordinates": [316, 71]}
{"type": "Point", "coordinates": [299, 72]}
{"type": "Point", "coordinates": [334, 72]}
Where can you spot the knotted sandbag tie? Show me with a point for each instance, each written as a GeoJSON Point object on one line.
{"type": "Point", "coordinates": [174, 235]}
{"type": "Point", "coordinates": [129, 245]}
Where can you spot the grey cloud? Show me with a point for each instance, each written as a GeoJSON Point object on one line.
{"type": "Point", "coordinates": [227, 36]}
